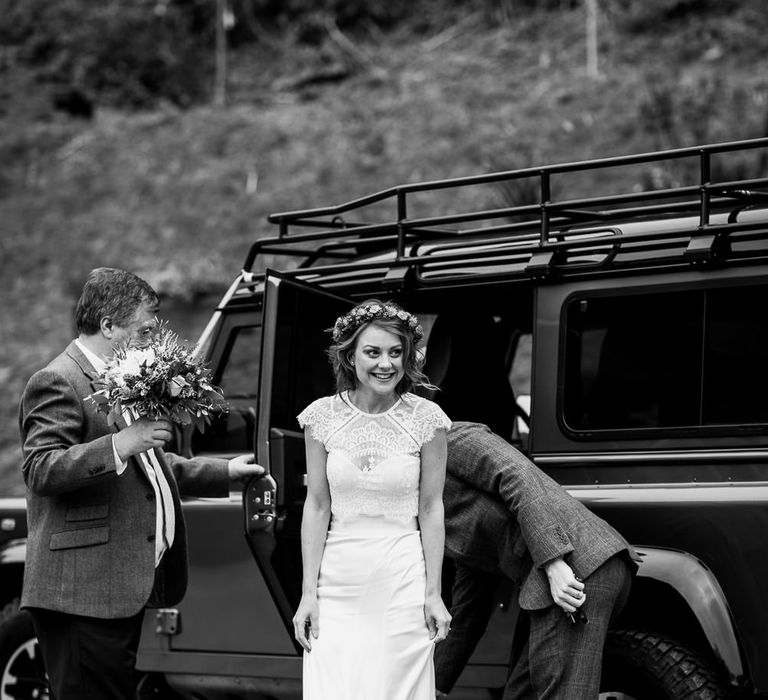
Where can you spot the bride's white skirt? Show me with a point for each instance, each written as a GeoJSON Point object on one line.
{"type": "Point", "coordinates": [373, 642]}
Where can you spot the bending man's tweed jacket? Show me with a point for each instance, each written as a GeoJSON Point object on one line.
{"type": "Point", "coordinates": [523, 519]}
{"type": "Point", "coordinates": [90, 547]}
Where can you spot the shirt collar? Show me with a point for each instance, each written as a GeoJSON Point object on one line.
{"type": "Point", "coordinates": [99, 364]}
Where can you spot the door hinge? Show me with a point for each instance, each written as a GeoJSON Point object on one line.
{"type": "Point", "coordinates": [167, 621]}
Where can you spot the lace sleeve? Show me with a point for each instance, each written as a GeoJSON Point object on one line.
{"type": "Point", "coordinates": [315, 418]}
{"type": "Point", "coordinates": [431, 420]}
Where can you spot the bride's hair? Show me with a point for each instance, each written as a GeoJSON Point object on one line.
{"type": "Point", "coordinates": [389, 316]}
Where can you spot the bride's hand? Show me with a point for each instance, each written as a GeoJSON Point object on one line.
{"type": "Point", "coordinates": [306, 621]}
{"type": "Point", "coordinates": [438, 618]}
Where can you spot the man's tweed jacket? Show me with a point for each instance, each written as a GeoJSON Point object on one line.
{"type": "Point", "coordinates": [90, 547]}
{"type": "Point", "coordinates": [503, 514]}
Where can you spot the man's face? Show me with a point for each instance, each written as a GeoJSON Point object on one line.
{"type": "Point", "coordinates": [138, 331]}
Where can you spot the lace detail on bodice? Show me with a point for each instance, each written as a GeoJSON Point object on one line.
{"type": "Point", "coordinates": [374, 459]}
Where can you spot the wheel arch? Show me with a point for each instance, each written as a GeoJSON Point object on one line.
{"type": "Point", "coordinates": [668, 580]}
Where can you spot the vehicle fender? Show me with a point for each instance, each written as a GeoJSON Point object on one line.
{"type": "Point", "coordinates": [698, 586]}
{"type": "Point", "coordinates": [13, 552]}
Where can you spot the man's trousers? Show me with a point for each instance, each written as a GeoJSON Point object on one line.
{"type": "Point", "coordinates": [561, 660]}
{"type": "Point", "coordinates": [88, 658]}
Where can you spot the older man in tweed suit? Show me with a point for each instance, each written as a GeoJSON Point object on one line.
{"type": "Point", "coordinates": [506, 517]}
{"type": "Point", "coordinates": [106, 530]}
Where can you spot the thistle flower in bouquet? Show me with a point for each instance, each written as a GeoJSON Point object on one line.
{"type": "Point", "coordinates": [162, 380]}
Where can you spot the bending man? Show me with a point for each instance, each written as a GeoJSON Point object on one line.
{"type": "Point", "coordinates": [506, 517]}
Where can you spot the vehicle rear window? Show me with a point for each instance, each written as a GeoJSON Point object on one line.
{"type": "Point", "coordinates": [691, 359]}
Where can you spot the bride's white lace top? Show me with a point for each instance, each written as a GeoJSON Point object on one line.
{"type": "Point", "coordinates": [373, 463]}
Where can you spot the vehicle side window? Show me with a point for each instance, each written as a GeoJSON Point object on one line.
{"type": "Point", "coordinates": [677, 360]}
{"type": "Point", "coordinates": [735, 352]}
{"type": "Point", "coordinates": [239, 376]}
{"type": "Point", "coordinates": [302, 372]}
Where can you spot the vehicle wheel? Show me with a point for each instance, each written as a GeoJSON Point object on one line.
{"type": "Point", "coordinates": [152, 686]}
{"type": "Point", "coordinates": [22, 674]}
{"type": "Point", "coordinates": [643, 666]}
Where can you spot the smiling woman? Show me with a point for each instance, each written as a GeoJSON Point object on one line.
{"type": "Point", "coordinates": [372, 531]}
{"type": "Point", "coordinates": [378, 363]}
{"type": "Point", "coordinates": [383, 316]}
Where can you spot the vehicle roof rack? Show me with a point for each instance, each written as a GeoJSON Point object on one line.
{"type": "Point", "coordinates": [544, 235]}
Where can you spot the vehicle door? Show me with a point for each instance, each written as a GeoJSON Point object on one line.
{"type": "Point", "coordinates": [294, 372]}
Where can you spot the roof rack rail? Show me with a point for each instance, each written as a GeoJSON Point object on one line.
{"type": "Point", "coordinates": [327, 233]}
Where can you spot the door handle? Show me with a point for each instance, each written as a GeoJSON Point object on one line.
{"type": "Point", "coordinates": [261, 505]}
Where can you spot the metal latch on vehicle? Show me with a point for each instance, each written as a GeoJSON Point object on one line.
{"type": "Point", "coordinates": [261, 504]}
{"type": "Point", "coordinates": [167, 621]}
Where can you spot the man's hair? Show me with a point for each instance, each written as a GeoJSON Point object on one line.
{"type": "Point", "coordinates": [114, 293]}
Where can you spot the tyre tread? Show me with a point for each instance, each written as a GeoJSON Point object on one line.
{"type": "Point", "coordinates": [681, 672]}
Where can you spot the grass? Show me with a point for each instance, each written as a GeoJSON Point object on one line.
{"type": "Point", "coordinates": [178, 196]}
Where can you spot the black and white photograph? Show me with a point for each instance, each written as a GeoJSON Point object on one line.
{"type": "Point", "coordinates": [383, 350]}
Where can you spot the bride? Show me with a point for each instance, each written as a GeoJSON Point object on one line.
{"type": "Point", "coordinates": [372, 531]}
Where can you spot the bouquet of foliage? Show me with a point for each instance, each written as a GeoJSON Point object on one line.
{"type": "Point", "coordinates": [163, 380]}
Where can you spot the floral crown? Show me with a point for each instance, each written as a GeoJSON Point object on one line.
{"type": "Point", "coordinates": [370, 311]}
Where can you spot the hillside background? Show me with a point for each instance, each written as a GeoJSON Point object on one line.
{"type": "Point", "coordinates": [114, 150]}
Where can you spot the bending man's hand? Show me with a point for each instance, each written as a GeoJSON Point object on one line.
{"type": "Point", "coordinates": [567, 591]}
{"type": "Point", "coordinates": [243, 468]}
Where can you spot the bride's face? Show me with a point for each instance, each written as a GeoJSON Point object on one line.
{"type": "Point", "coordinates": [378, 360]}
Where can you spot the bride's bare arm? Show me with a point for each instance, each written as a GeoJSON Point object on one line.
{"type": "Point", "coordinates": [314, 529]}
{"type": "Point", "coordinates": [432, 526]}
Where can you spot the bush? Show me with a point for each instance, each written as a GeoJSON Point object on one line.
{"type": "Point", "coordinates": [301, 16]}
{"type": "Point", "coordinates": [126, 54]}
{"type": "Point", "coordinates": [699, 107]}
{"type": "Point", "coordinates": [135, 54]}
{"type": "Point", "coordinates": [649, 14]}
